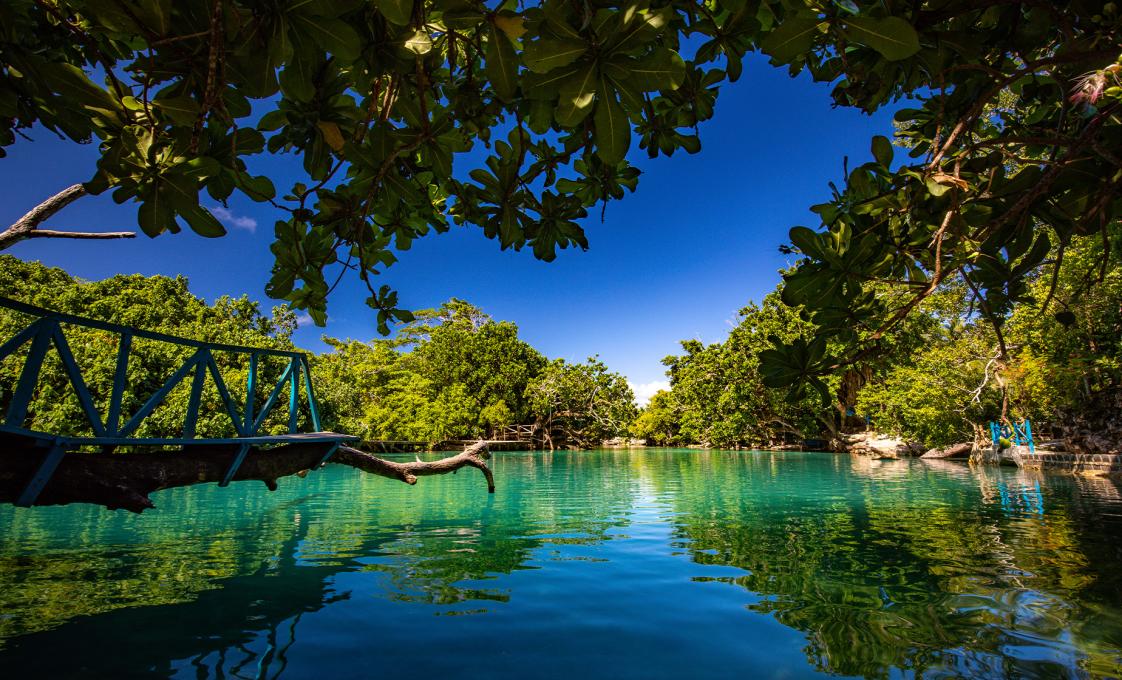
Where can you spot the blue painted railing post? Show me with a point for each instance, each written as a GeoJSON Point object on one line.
{"type": "Point", "coordinates": [327, 456]}
{"type": "Point", "coordinates": [29, 376]}
{"type": "Point", "coordinates": [272, 400]}
{"type": "Point", "coordinates": [239, 457]}
{"type": "Point", "coordinates": [1028, 436]}
{"type": "Point", "coordinates": [113, 418]}
{"type": "Point", "coordinates": [77, 382]}
{"type": "Point", "coordinates": [313, 407]}
{"type": "Point", "coordinates": [251, 394]}
{"type": "Point", "coordinates": [193, 403]}
{"type": "Point", "coordinates": [161, 394]}
{"type": "Point", "coordinates": [293, 395]}
{"type": "Point", "coordinates": [42, 476]}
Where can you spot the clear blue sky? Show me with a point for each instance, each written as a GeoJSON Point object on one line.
{"type": "Point", "coordinates": [674, 260]}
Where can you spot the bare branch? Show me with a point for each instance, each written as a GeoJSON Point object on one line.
{"type": "Point", "coordinates": [474, 456]}
{"type": "Point", "coordinates": [51, 233]}
{"type": "Point", "coordinates": [28, 226]}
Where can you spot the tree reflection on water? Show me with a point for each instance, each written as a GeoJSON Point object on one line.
{"type": "Point", "coordinates": [932, 569]}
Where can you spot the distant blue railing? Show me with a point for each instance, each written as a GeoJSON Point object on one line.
{"type": "Point", "coordinates": [1020, 434]}
{"type": "Point", "coordinates": [46, 329]}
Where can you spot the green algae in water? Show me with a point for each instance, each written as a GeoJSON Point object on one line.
{"type": "Point", "coordinates": [650, 563]}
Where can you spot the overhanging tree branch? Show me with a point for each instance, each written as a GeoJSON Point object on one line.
{"type": "Point", "coordinates": [28, 226]}
{"type": "Point", "coordinates": [125, 480]}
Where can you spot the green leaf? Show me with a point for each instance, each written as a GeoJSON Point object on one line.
{"type": "Point", "coordinates": [258, 188]}
{"type": "Point", "coordinates": [463, 19]}
{"type": "Point", "coordinates": [662, 69]}
{"type": "Point", "coordinates": [419, 43]}
{"type": "Point", "coordinates": [155, 216]}
{"type": "Point", "coordinates": [182, 110]}
{"type": "Point", "coordinates": [253, 73]}
{"type": "Point", "coordinates": [202, 222]}
{"type": "Point", "coordinates": [542, 56]}
{"type": "Point", "coordinates": [502, 64]}
{"type": "Point", "coordinates": [576, 96]}
{"type": "Point", "coordinates": [398, 12]}
{"type": "Point", "coordinates": [882, 150]}
{"type": "Point", "coordinates": [297, 78]}
{"type": "Point", "coordinates": [642, 29]}
{"type": "Point", "coordinates": [613, 131]}
{"type": "Point", "coordinates": [936, 189]}
{"type": "Point", "coordinates": [808, 241]}
{"type": "Point", "coordinates": [156, 14]}
{"type": "Point", "coordinates": [790, 39]}
{"type": "Point", "coordinates": [273, 120]}
{"type": "Point", "coordinates": [893, 37]}
{"type": "Point", "coordinates": [333, 35]}
{"type": "Point", "coordinates": [1065, 317]}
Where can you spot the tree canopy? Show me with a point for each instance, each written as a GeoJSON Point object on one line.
{"type": "Point", "coordinates": [1012, 123]}
{"type": "Point", "coordinates": [940, 376]}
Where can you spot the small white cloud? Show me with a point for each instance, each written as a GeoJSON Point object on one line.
{"type": "Point", "coordinates": [303, 319]}
{"type": "Point", "coordinates": [644, 391]}
{"type": "Point", "coordinates": [227, 217]}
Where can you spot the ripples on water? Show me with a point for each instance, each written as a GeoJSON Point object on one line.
{"type": "Point", "coordinates": [652, 563]}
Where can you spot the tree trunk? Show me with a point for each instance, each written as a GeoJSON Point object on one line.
{"type": "Point", "coordinates": [124, 480]}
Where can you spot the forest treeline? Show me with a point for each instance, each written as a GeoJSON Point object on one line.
{"type": "Point", "coordinates": [453, 372]}
{"type": "Point", "coordinates": [937, 379]}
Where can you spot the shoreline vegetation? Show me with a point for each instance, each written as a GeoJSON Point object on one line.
{"type": "Point", "coordinates": [456, 374]}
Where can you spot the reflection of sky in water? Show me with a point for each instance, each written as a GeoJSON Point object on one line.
{"type": "Point", "coordinates": [643, 564]}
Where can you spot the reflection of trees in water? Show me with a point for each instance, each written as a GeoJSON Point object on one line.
{"type": "Point", "coordinates": [900, 567]}
{"type": "Point", "coordinates": [216, 628]}
{"type": "Point", "coordinates": [883, 566]}
{"type": "Point", "coordinates": [229, 597]}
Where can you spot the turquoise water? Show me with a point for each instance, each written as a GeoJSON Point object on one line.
{"type": "Point", "coordinates": [653, 563]}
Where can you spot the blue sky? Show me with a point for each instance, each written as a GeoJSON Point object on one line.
{"type": "Point", "coordinates": [675, 260]}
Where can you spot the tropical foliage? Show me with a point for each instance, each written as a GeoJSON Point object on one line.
{"type": "Point", "coordinates": [722, 394]}
{"type": "Point", "coordinates": [452, 373]}
{"type": "Point", "coordinates": [1014, 134]}
{"type": "Point", "coordinates": [581, 404]}
{"type": "Point", "coordinates": [937, 378]}
{"type": "Point", "coordinates": [1053, 368]}
{"type": "Point", "coordinates": [1013, 128]}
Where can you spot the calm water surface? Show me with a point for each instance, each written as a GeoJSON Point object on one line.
{"type": "Point", "coordinates": [654, 563]}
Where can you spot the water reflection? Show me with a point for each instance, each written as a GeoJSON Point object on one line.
{"type": "Point", "coordinates": [936, 569]}
{"type": "Point", "coordinates": [655, 563]}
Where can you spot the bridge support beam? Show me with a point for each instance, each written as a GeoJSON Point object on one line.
{"type": "Point", "coordinates": [42, 476]}
{"type": "Point", "coordinates": [239, 458]}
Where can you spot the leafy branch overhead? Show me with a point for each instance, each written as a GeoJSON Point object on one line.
{"type": "Point", "coordinates": [376, 100]}
{"type": "Point", "coordinates": [1014, 147]}
{"type": "Point", "coordinates": [408, 116]}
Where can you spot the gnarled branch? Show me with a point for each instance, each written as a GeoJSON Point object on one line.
{"type": "Point", "coordinates": [28, 226]}
{"type": "Point", "coordinates": [475, 456]}
{"type": "Point", "coordinates": [125, 480]}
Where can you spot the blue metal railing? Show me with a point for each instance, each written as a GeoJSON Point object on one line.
{"type": "Point", "coordinates": [46, 329]}
{"type": "Point", "coordinates": [1020, 434]}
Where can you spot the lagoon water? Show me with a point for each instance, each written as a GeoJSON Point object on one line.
{"type": "Point", "coordinates": [607, 564]}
